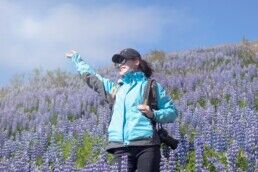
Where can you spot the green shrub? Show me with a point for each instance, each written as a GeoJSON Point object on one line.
{"type": "Point", "coordinates": [215, 102]}
{"type": "Point", "coordinates": [242, 103]}
{"type": "Point", "coordinates": [247, 54]}
{"type": "Point", "coordinates": [202, 102]}
{"type": "Point", "coordinates": [227, 97]}
{"type": "Point", "coordinates": [39, 161]}
{"type": "Point", "coordinates": [209, 153]}
{"type": "Point", "coordinates": [241, 161]}
{"type": "Point", "coordinates": [86, 153]}
{"type": "Point", "coordinates": [156, 55]}
{"type": "Point", "coordinates": [3, 93]}
{"type": "Point", "coordinates": [71, 117]}
{"type": "Point", "coordinates": [59, 138]}
{"type": "Point", "coordinates": [93, 109]}
{"type": "Point", "coordinates": [17, 81]}
{"type": "Point", "coordinates": [57, 78]}
{"type": "Point", "coordinates": [67, 147]}
{"type": "Point", "coordinates": [175, 94]}
{"type": "Point", "coordinates": [53, 119]}
{"type": "Point", "coordinates": [110, 158]}
{"type": "Point", "coordinates": [190, 162]}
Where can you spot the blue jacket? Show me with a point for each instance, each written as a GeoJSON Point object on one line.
{"type": "Point", "coordinates": [128, 125]}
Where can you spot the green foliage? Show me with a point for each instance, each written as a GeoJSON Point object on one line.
{"type": "Point", "coordinates": [93, 109]}
{"type": "Point", "coordinates": [175, 94]}
{"type": "Point", "coordinates": [227, 97]}
{"type": "Point", "coordinates": [39, 161]}
{"type": "Point", "coordinates": [36, 75]}
{"type": "Point", "coordinates": [59, 138]}
{"type": "Point", "coordinates": [67, 147]}
{"type": "Point", "coordinates": [110, 158]}
{"type": "Point", "coordinates": [215, 102]}
{"type": "Point", "coordinates": [190, 162]}
{"type": "Point", "coordinates": [242, 103]}
{"type": "Point", "coordinates": [202, 102]}
{"type": "Point", "coordinates": [57, 78]}
{"type": "Point", "coordinates": [48, 101]}
{"type": "Point", "coordinates": [86, 152]}
{"type": "Point", "coordinates": [209, 152]}
{"type": "Point", "coordinates": [52, 166]}
{"type": "Point", "coordinates": [247, 54]}
{"type": "Point", "coordinates": [53, 119]}
{"type": "Point", "coordinates": [256, 101]}
{"type": "Point", "coordinates": [71, 117]}
{"type": "Point", "coordinates": [3, 93]}
{"type": "Point", "coordinates": [156, 55]}
{"type": "Point", "coordinates": [242, 161]}
{"type": "Point", "coordinates": [17, 130]}
{"type": "Point", "coordinates": [17, 81]}
{"type": "Point", "coordinates": [212, 64]}
{"type": "Point", "coordinates": [185, 129]}
{"type": "Point", "coordinates": [189, 103]}
{"type": "Point", "coordinates": [32, 109]}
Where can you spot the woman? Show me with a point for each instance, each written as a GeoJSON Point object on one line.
{"type": "Point", "coordinates": [130, 130]}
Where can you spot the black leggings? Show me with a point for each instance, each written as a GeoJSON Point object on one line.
{"type": "Point", "coordinates": [142, 158]}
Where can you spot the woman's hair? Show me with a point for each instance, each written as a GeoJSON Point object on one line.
{"type": "Point", "coordinates": [145, 67]}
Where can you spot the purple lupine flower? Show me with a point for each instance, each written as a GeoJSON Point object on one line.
{"type": "Point", "coordinates": [231, 156]}
{"type": "Point", "coordinates": [182, 151]}
{"type": "Point", "coordinates": [172, 161]}
{"type": "Point", "coordinates": [163, 163]}
{"type": "Point", "coordinates": [218, 166]}
{"type": "Point", "coordinates": [124, 164]}
{"type": "Point", "coordinates": [240, 135]}
{"type": "Point", "coordinates": [114, 168]}
{"type": "Point", "coordinates": [199, 148]}
{"type": "Point", "coordinates": [103, 163]}
{"type": "Point", "coordinates": [251, 147]}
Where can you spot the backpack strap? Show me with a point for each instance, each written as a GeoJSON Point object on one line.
{"type": "Point", "coordinates": [150, 97]}
{"type": "Point", "coordinates": [146, 94]}
{"type": "Point", "coordinates": [150, 94]}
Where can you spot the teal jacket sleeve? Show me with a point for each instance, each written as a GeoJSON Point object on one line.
{"type": "Point", "coordinates": [166, 111]}
{"type": "Point", "coordinates": [85, 70]}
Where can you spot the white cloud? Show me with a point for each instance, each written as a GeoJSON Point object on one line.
{"type": "Point", "coordinates": [33, 40]}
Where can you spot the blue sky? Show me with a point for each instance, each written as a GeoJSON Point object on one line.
{"type": "Point", "coordinates": [36, 34]}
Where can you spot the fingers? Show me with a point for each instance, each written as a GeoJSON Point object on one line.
{"type": "Point", "coordinates": [146, 110]}
{"type": "Point", "coordinates": [70, 53]}
{"type": "Point", "coordinates": [143, 107]}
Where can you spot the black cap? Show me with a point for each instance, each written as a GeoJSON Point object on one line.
{"type": "Point", "coordinates": [127, 53]}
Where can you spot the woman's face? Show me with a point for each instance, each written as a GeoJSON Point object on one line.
{"type": "Point", "coordinates": [129, 65]}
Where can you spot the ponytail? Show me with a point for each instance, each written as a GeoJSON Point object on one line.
{"type": "Point", "coordinates": [145, 67]}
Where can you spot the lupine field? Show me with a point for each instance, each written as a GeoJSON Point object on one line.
{"type": "Point", "coordinates": [52, 121]}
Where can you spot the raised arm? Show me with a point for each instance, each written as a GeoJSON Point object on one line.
{"type": "Point", "coordinates": [95, 81]}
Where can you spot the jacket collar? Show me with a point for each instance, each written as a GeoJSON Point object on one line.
{"type": "Point", "coordinates": [131, 76]}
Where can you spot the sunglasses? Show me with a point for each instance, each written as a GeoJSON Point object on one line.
{"type": "Point", "coordinates": [120, 62]}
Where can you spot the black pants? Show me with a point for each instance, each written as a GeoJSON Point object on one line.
{"type": "Point", "coordinates": [142, 158]}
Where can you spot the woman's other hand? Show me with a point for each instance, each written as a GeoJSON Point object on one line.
{"type": "Point", "coordinates": [70, 53]}
{"type": "Point", "coordinates": [146, 110]}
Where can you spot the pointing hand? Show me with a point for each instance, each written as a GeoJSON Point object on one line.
{"type": "Point", "coordinates": [70, 53]}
